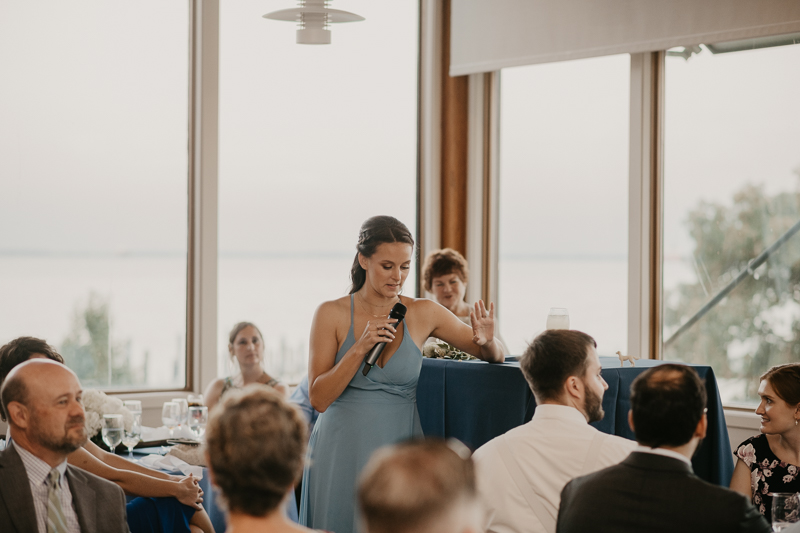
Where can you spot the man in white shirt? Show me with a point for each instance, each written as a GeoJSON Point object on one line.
{"type": "Point", "coordinates": [520, 474]}
{"type": "Point", "coordinates": [654, 489]}
{"type": "Point", "coordinates": [39, 491]}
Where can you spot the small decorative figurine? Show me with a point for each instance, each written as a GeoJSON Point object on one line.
{"type": "Point", "coordinates": [623, 358]}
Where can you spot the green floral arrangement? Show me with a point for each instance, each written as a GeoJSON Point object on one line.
{"type": "Point", "coordinates": [443, 350]}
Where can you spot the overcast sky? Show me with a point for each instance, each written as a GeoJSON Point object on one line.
{"type": "Point", "coordinates": [314, 139]}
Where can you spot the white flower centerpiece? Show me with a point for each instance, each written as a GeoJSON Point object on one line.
{"type": "Point", "coordinates": [443, 350]}
{"type": "Point", "coordinates": [96, 404]}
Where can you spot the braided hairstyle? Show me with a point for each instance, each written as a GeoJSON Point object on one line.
{"type": "Point", "coordinates": [374, 232]}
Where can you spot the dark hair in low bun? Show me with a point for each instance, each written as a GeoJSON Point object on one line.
{"type": "Point", "coordinates": [374, 232]}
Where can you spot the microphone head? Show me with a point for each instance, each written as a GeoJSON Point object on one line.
{"type": "Point", "coordinates": [398, 311]}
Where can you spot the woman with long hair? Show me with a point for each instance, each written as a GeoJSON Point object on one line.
{"type": "Point", "coordinates": [246, 348]}
{"type": "Point", "coordinates": [361, 413]}
{"type": "Point", "coordinates": [770, 461]}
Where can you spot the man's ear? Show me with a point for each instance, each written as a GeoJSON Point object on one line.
{"type": "Point", "coordinates": [702, 427]}
{"type": "Point", "coordinates": [574, 387]}
{"type": "Point", "coordinates": [18, 414]}
{"type": "Point", "coordinates": [630, 420]}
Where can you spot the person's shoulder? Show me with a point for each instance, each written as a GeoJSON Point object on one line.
{"type": "Point", "coordinates": [333, 307]}
{"type": "Point", "coordinates": [488, 451]}
{"type": "Point", "coordinates": [752, 449]}
{"type": "Point", "coordinates": [420, 304]}
{"type": "Point", "coordinates": [333, 311]}
{"type": "Point", "coordinates": [618, 445]}
{"type": "Point", "coordinates": [756, 440]}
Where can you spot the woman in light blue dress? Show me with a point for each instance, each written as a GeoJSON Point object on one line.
{"type": "Point", "coordinates": [362, 413]}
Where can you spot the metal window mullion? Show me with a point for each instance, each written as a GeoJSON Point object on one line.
{"type": "Point", "coordinates": [203, 176]}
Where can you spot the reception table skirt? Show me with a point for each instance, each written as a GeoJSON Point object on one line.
{"type": "Point", "coordinates": [474, 402]}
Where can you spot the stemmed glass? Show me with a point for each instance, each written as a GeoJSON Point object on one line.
{"type": "Point", "coordinates": [132, 437]}
{"type": "Point", "coordinates": [183, 417]}
{"type": "Point", "coordinates": [170, 415]}
{"type": "Point", "coordinates": [558, 318]}
{"type": "Point", "coordinates": [112, 431]}
{"type": "Point", "coordinates": [785, 510]}
{"type": "Point", "coordinates": [195, 400]}
{"type": "Point", "coordinates": [198, 417]}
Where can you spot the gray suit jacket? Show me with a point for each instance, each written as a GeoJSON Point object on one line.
{"type": "Point", "coordinates": [654, 493]}
{"type": "Point", "coordinates": [99, 504]}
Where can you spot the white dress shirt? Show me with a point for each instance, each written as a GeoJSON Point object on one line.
{"type": "Point", "coordinates": [38, 471]}
{"type": "Point", "coordinates": [550, 450]}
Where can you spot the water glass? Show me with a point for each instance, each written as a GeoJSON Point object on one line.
{"type": "Point", "coordinates": [785, 510]}
{"type": "Point", "coordinates": [135, 407]}
{"type": "Point", "coordinates": [558, 318]}
{"type": "Point", "coordinates": [184, 410]}
{"type": "Point", "coordinates": [132, 437]}
{"type": "Point", "coordinates": [198, 417]}
{"type": "Point", "coordinates": [195, 400]}
{"type": "Point", "coordinates": [170, 415]}
{"type": "Point", "coordinates": [112, 431]}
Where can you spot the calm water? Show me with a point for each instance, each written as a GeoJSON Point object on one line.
{"type": "Point", "coordinates": [41, 296]}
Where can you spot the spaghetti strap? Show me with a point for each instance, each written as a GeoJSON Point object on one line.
{"type": "Point", "coordinates": [351, 310]}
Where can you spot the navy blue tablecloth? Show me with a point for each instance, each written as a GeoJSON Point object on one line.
{"type": "Point", "coordinates": [474, 402]}
{"type": "Point", "coordinates": [211, 496]}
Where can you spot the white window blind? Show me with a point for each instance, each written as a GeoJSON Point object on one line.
{"type": "Point", "coordinates": [488, 35]}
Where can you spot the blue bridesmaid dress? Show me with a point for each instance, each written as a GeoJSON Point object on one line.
{"type": "Point", "coordinates": [373, 411]}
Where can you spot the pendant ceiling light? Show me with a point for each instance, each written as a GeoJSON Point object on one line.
{"type": "Point", "coordinates": [313, 18]}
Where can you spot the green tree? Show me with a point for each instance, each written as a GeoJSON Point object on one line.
{"type": "Point", "coordinates": [97, 359]}
{"type": "Point", "coordinates": [758, 324]}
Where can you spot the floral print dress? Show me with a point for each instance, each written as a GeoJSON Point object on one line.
{"type": "Point", "coordinates": [768, 474]}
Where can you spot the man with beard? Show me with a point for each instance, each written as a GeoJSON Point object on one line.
{"type": "Point", "coordinates": [521, 473]}
{"type": "Point", "coordinates": [43, 402]}
{"type": "Point", "coordinates": [654, 489]}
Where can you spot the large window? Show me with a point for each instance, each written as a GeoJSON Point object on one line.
{"type": "Point", "coordinates": [564, 199]}
{"type": "Point", "coordinates": [313, 140]}
{"type": "Point", "coordinates": [731, 190]}
{"type": "Point", "coordinates": [93, 185]}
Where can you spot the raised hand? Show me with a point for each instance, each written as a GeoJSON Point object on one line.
{"type": "Point", "coordinates": [482, 323]}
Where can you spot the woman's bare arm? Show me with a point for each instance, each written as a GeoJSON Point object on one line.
{"type": "Point", "coordinates": [478, 340]}
{"type": "Point", "coordinates": [213, 392]}
{"type": "Point", "coordinates": [327, 379]}
{"type": "Point", "coordinates": [740, 481]}
{"type": "Point", "coordinates": [123, 464]}
{"type": "Point", "coordinates": [185, 490]}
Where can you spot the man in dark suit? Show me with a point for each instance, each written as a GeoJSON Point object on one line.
{"type": "Point", "coordinates": [39, 491]}
{"type": "Point", "coordinates": [654, 489]}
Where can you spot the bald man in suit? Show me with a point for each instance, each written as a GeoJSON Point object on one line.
{"type": "Point", "coordinates": [39, 491]}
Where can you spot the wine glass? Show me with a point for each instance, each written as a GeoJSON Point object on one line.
{"type": "Point", "coordinates": [785, 510]}
{"type": "Point", "coordinates": [112, 431]}
{"type": "Point", "coordinates": [558, 318]}
{"type": "Point", "coordinates": [132, 437]}
{"type": "Point", "coordinates": [195, 400]}
{"type": "Point", "coordinates": [183, 417]}
{"type": "Point", "coordinates": [170, 415]}
{"type": "Point", "coordinates": [135, 407]}
{"type": "Point", "coordinates": [198, 417]}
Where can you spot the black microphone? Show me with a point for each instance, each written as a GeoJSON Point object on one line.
{"type": "Point", "coordinates": [399, 313]}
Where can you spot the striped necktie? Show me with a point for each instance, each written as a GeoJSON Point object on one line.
{"type": "Point", "coordinates": [56, 521]}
